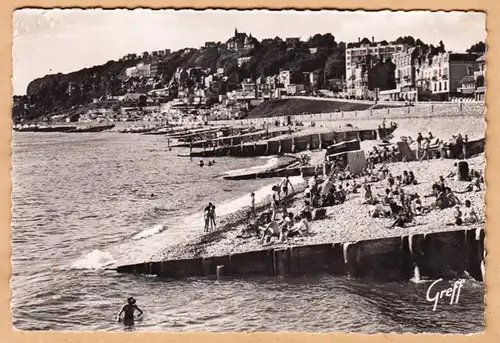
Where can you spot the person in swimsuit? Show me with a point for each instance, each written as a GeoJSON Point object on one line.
{"type": "Point", "coordinates": [128, 310]}
{"type": "Point", "coordinates": [206, 215]}
{"type": "Point", "coordinates": [211, 215]}
{"type": "Point", "coordinates": [284, 186]}
{"type": "Point", "coordinates": [253, 213]}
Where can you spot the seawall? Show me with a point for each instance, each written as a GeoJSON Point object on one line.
{"type": "Point", "coordinates": [420, 110]}
{"type": "Point", "coordinates": [447, 255]}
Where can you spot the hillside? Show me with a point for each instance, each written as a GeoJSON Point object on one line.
{"type": "Point", "coordinates": [320, 55]}
{"type": "Point", "coordinates": [286, 107]}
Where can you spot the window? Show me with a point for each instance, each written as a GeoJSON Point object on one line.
{"type": "Point", "coordinates": [435, 88]}
{"type": "Point", "coordinates": [440, 86]}
{"type": "Point", "coordinates": [445, 85]}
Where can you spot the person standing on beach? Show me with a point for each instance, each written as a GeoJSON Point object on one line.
{"type": "Point", "coordinates": [211, 216]}
{"type": "Point", "coordinates": [206, 215]}
{"type": "Point", "coordinates": [284, 186]}
{"type": "Point", "coordinates": [252, 208]}
{"type": "Point", "coordinates": [464, 146]}
{"type": "Point", "coordinates": [275, 202]}
{"type": "Point", "coordinates": [420, 138]}
{"type": "Point", "coordinates": [425, 148]}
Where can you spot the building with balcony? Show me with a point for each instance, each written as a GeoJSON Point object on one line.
{"type": "Point", "coordinates": [480, 81]}
{"type": "Point", "coordinates": [361, 57]}
{"type": "Point", "coordinates": [439, 77]}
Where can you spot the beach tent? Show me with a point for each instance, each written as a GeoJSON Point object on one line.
{"type": "Point", "coordinates": [354, 159]}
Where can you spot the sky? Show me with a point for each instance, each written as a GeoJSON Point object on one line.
{"type": "Point", "coordinates": [62, 40]}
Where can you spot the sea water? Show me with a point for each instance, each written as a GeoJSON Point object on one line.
{"type": "Point", "coordinates": [85, 203]}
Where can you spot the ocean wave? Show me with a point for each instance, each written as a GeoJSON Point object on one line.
{"type": "Point", "coordinates": [272, 162]}
{"type": "Point", "coordinates": [94, 260]}
{"type": "Point", "coordinates": [150, 232]}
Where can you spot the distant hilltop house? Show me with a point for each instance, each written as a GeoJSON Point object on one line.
{"type": "Point", "coordinates": [243, 60]}
{"type": "Point", "coordinates": [241, 41]}
{"type": "Point", "coordinates": [210, 45]}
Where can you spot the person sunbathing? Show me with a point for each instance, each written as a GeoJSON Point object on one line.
{"type": "Point", "coordinates": [474, 186]}
{"type": "Point", "coordinates": [395, 208]}
{"type": "Point", "coordinates": [272, 229]}
{"type": "Point", "coordinates": [402, 219]}
{"type": "Point", "coordinates": [379, 211]}
{"type": "Point", "coordinates": [452, 198]}
{"type": "Point", "coordinates": [413, 180]}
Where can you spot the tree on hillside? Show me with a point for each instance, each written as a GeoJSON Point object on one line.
{"type": "Point", "coordinates": [477, 48]}
{"type": "Point", "coordinates": [325, 41]}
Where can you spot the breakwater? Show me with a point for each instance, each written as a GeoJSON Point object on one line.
{"type": "Point", "coordinates": [284, 144]}
{"type": "Point", "coordinates": [447, 255]}
{"type": "Point", "coordinates": [233, 139]}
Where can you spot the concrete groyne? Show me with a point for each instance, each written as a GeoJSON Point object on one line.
{"type": "Point", "coordinates": [233, 139]}
{"type": "Point", "coordinates": [283, 144]}
{"type": "Point", "coordinates": [448, 255]}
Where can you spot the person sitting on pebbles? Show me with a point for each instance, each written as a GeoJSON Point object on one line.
{"type": "Point", "coordinates": [272, 229]}
{"type": "Point", "coordinates": [301, 227]}
{"type": "Point", "coordinates": [369, 198]}
{"type": "Point", "coordinates": [457, 213]}
{"type": "Point", "coordinates": [340, 195]}
{"type": "Point", "coordinates": [470, 215]}
{"type": "Point", "coordinates": [402, 219]}
{"type": "Point", "coordinates": [306, 211]}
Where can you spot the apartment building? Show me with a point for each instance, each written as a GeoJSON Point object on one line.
{"type": "Point", "coordinates": [480, 81]}
{"type": "Point", "coordinates": [439, 76]}
{"type": "Point", "coordinates": [360, 58]}
{"type": "Point", "coordinates": [158, 68]}
{"type": "Point", "coordinates": [140, 70]}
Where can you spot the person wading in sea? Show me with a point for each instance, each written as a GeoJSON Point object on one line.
{"type": "Point", "coordinates": [128, 310]}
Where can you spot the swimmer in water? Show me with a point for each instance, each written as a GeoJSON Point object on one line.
{"type": "Point", "coordinates": [128, 310]}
